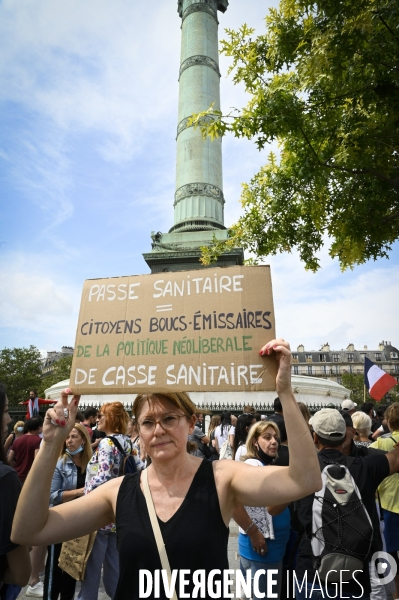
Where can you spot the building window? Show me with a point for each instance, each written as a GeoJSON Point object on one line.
{"type": "Point", "coordinates": [362, 356]}
{"type": "Point", "coordinates": [308, 358]}
{"type": "Point", "coordinates": [378, 356]}
{"type": "Point", "coordinates": [295, 357]}
{"type": "Point", "coordinates": [335, 369]}
{"type": "Point", "coordinates": [335, 357]}
{"type": "Point", "coordinates": [394, 355]}
{"type": "Point", "coordinates": [350, 356]}
{"type": "Point", "coordinates": [325, 370]}
{"type": "Point", "coordinates": [350, 368]}
{"type": "Point", "coordinates": [309, 370]}
{"type": "Point", "coordinates": [396, 368]}
{"type": "Point", "coordinates": [323, 358]}
{"type": "Point", "coordinates": [295, 370]}
{"type": "Point", "coordinates": [339, 380]}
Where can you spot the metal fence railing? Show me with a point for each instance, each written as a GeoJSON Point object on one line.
{"type": "Point", "coordinates": [17, 413]}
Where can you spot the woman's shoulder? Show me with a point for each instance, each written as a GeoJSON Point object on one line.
{"type": "Point", "coordinates": [126, 484]}
{"type": "Point", "coordinates": [241, 450]}
{"type": "Point", "coordinates": [105, 444]}
{"type": "Point", "coordinates": [123, 440]}
{"type": "Point", "coordinates": [63, 461]}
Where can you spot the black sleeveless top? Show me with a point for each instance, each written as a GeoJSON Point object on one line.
{"type": "Point", "coordinates": [195, 536]}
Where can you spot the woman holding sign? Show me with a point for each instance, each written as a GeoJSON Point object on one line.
{"type": "Point", "coordinates": [172, 489]}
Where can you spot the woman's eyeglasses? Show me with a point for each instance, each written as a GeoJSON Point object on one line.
{"type": "Point", "coordinates": [168, 422]}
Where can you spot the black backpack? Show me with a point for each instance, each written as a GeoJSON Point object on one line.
{"type": "Point", "coordinates": [342, 531]}
{"type": "Point", "coordinates": [128, 463]}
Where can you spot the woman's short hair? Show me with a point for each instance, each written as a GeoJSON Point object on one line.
{"type": "Point", "coordinates": [392, 416]}
{"type": "Point", "coordinates": [255, 432]}
{"type": "Point", "coordinates": [116, 417]}
{"type": "Point", "coordinates": [18, 424]}
{"type": "Point", "coordinates": [87, 451]}
{"type": "Point", "coordinates": [181, 401]}
{"type": "Point", "coordinates": [362, 423]}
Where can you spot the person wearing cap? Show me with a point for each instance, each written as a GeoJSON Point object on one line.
{"type": "Point", "coordinates": [329, 431]}
{"type": "Point", "coordinates": [349, 407]}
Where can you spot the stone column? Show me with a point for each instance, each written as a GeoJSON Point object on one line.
{"type": "Point", "coordinates": [199, 201]}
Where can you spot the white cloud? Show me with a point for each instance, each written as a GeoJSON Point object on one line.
{"type": "Point", "coordinates": [43, 307]}
{"type": "Point", "coordinates": [91, 66]}
{"type": "Point", "coordinates": [38, 166]}
{"type": "Point", "coordinates": [354, 307]}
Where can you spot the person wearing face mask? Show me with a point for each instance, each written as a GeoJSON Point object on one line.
{"type": "Point", "coordinates": [67, 484]}
{"type": "Point", "coordinates": [17, 432]}
{"type": "Point", "coordinates": [264, 533]}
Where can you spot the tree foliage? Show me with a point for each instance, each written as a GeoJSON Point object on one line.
{"type": "Point", "coordinates": [20, 371]}
{"type": "Point", "coordinates": [324, 84]}
{"type": "Point", "coordinates": [62, 370]}
{"type": "Point", "coordinates": [355, 383]}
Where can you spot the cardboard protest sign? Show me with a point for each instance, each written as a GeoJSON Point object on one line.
{"type": "Point", "coordinates": [181, 331]}
{"type": "Point", "coordinates": [75, 554]}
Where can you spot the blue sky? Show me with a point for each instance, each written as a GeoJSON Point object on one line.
{"type": "Point", "coordinates": [88, 115]}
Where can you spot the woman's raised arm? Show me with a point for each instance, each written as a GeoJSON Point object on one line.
{"type": "Point", "coordinates": [241, 484]}
{"type": "Point", "coordinates": [34, 523]}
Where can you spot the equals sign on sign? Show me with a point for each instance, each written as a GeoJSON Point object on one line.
{"type": "Point", "coordinates": [164, 307]}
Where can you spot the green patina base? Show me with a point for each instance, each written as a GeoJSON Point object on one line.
{"type": "Point", "coordinates": [180, 251]}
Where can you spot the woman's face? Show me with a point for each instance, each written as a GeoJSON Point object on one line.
{"type": "Point", "coordinates": [74, 440]}
{"type": "Point", "coordinates": [101, 421]}
{"type": "Point", "coordinates": [6, 421]}
{"type": "Point", "coordinates": [268, 442]}
{"type": "Point", "coordinates": [164, 444]}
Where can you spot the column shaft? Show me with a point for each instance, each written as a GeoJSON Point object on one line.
{"type": "Point", "coordinates": [199, 201]}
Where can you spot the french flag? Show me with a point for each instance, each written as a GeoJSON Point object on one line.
{"type": "Point", "coordinates": [376, 380]}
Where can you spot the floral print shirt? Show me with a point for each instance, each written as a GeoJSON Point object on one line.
{"type": "Point", "coordinates": [105, 462]}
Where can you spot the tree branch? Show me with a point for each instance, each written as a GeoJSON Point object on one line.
{"type": "Point", "coordinates": [387, 26]}
{"type": "Point", "coordinates": [377, 174]}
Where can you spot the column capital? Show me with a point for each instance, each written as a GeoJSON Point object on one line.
{"type": "Point", "coordinates": [221, 5]}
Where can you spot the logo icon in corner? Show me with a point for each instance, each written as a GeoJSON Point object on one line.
{"type": "Point", "coordinates": [383, 568]}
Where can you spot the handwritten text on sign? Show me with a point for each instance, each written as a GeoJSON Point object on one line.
{"type": "Point", "coordinates": [192, 330]}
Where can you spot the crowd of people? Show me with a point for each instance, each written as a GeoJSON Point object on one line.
{"type": "Point", "coordinates": [310, 494]}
